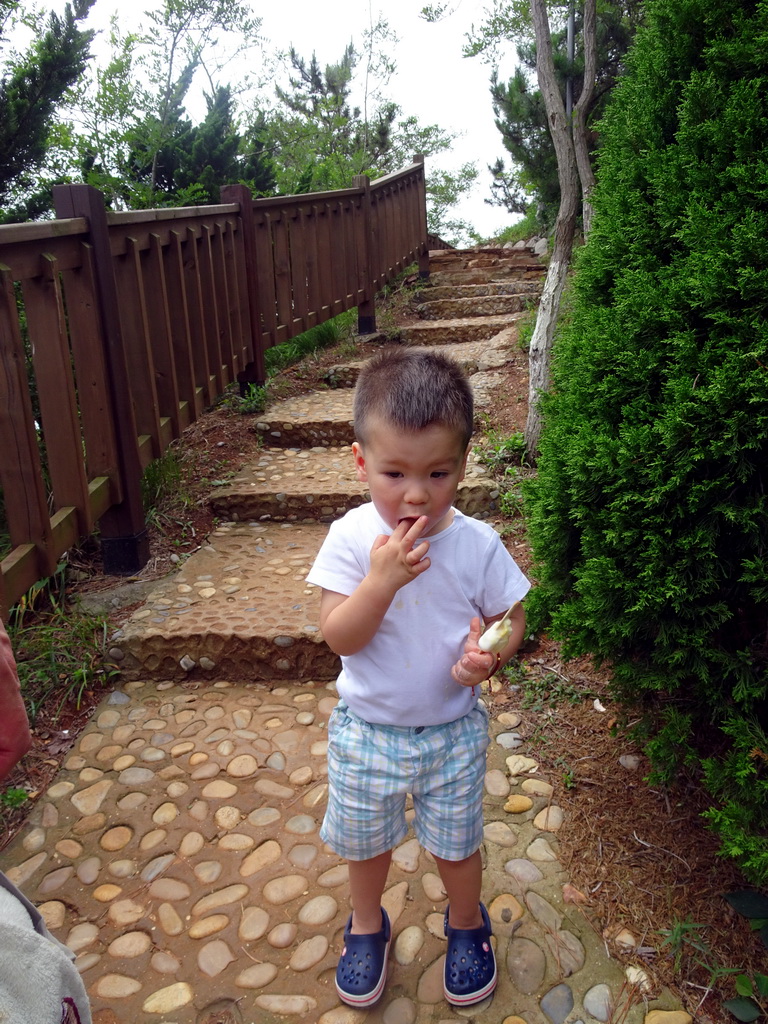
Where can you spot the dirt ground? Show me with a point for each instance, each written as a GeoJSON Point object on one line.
{"type": "Point", "coordinates": [640, 859]}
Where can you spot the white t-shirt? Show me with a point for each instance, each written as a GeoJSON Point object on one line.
{"type": "Point", "coordinates": [403, 676]}
{"type": "Point", "coordinates": [39, 984]}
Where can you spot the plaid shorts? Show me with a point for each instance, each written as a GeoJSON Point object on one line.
{"type": "Point", "coordinates": [371, 769]}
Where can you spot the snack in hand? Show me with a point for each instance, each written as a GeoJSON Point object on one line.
{"type": "Point", "coordinates": [495, 638]}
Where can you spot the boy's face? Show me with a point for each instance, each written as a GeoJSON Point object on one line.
{"type": "Point", "coordinates": [411, 474]}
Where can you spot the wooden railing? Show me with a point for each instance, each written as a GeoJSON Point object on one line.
{"type": "Point", "coordinates": [118, 329]}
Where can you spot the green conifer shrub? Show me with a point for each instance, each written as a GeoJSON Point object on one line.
{"type": "Point", "coordinates": [649, 515]}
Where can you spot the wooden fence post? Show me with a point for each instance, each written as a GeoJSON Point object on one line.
{"type": "Point", "coordinates": [422, 190]}
{"type": "Point", "coordinates": [366, 310]}
{"type": "Point", "coordinates": [255, 371]}
{"type": "Point", "coordinates": [124, 538]}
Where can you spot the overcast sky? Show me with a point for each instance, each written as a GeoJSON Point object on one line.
{"type": "Point", "coordinates": [433, 81]}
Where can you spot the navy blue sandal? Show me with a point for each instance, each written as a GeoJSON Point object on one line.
{"type": "Point", "coordinates": [470, 966]}
{"type": "Point", "coordinates": [362, 969]}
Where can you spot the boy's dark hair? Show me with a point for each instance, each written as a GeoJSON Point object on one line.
{"type": "Point", "coordinates": [413, 388]}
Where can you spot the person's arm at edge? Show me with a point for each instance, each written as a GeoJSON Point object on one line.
{"type": "Point", "coordinates": [15, 738]}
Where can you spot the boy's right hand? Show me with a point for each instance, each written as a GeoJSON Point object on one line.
{"type": "Point", "coordinates": [397, 558]}
{"type": "Point", "coordinates": [349, 622]}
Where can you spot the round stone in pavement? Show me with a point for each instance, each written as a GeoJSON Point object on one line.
{"type": "Point", "coordinates": [223, 1011]}
{"type": "Point", "coordinates": [194, 896]}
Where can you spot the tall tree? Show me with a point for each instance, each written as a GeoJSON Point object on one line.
{"type": "Point", "coordinates": [32, 87]}
{"type": "Point", "coordinates": [522, 122]}
{"type": "Point", "coordinates": [574, 172]}
{"type": "Point", "coordinates": [320, 140]}
{"type": "Point", "coordinates": [131, 126]}
{"type": "Point", "coordinates": [186, 35]}
{"type": "Point", "coordinates": [214, 153]}
{"type": "Point", "coordinates": [518, 104]}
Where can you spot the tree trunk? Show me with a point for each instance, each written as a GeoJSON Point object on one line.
{"type": "Point", "coordinates": [580, 143]}
{"type": "Point", "coordinates": [565, 227]}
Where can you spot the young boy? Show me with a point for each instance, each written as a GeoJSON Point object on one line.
{"type": "Point", "coordinates": [406, 581]}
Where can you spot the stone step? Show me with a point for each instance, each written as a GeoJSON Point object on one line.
{"type": "Point", "coordinates": [316, 419]}
{"type": "Point", "coordinates": [472, 355]}
{"type": "Point", "coordinates": [323, 419]}
{"type": "Point", "coordinates": [238, 609]}
{"type": "Point", "coordinates": [530, 271]}
{"type": "Point", "coordinates": [469, 291]}
{"type": "Point", "coordinates": [474, 258]}
{"type": "Point", "coordinates": [451, 332]}
{"type": "Point", "coordinates": [489, 305]}
{"type": "Point", "coordinates": [320, 484]}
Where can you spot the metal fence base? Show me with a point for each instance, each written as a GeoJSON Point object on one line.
{"type": "Point", "coordinates": [366, 324]}
{"type": "Point", "coordinates": [125, 556]}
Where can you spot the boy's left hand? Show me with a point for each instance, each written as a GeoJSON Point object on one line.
{"type": "Point", "coordinates": [474, 666]}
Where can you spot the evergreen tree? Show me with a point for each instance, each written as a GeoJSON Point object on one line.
{"type": "Point", "coordinates": [160, 142]}
{"type": "Point", "coordinates": [649, 516]}
{"type": "Point", "coordinates": [211, 153]}
{"type": "Point", "coordinates": [32, 87]}
{"type": "Point", "coordinates": [320, 140]}
{"type": "Point", "coordinates": [187, 36]}
{"type": "Point", "coordinates": [257, 170]}
{"type": "Point", "coordinates": [522, 122]}
{"type": "Point", "coordinates": [196, 160]}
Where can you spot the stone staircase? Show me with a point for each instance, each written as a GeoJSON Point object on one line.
{"type": "Point", "coordinates": [238, 608]}
{"type": "Point", "coordinates": [177, 852]}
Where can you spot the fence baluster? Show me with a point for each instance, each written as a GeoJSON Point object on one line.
{"type": "Point", "coordinates": [21, 469]}
{"type": "Point", "coordinates": [62, 437]}
{"type": "Point", "coordinates": [190, 396]}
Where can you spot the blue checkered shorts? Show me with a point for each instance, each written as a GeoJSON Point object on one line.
{"type": "Point", "coordinates": [371, 769]}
